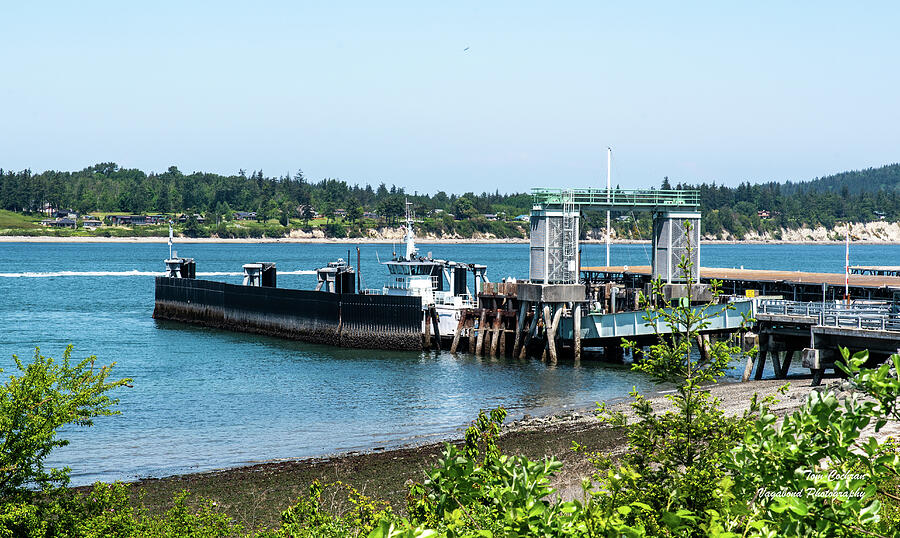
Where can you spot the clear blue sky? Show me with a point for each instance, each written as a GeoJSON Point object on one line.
{"type": "Point", "coordinates": [371, 92]}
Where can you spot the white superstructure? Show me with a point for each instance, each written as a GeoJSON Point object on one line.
{"type": "Point", "coordinates": [441, 284]}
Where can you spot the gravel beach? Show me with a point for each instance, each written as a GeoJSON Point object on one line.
{"type": "Point", "coordinates": [255, 495]}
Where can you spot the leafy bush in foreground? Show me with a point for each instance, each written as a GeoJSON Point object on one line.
{"type": "Point", "coordinates": [34, 405]}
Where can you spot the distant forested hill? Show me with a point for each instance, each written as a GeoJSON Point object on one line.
{"type": "Point", "coordinates": [885, 178]}
{"type": "Point", "coordinates": [858, 196]}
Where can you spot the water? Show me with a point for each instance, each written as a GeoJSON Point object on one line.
{"type": "Point", "coordinates": [204, 399]}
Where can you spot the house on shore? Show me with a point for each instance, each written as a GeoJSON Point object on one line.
{"type": "Point", "coordinates": [59, 223]}
{"type": "Point", "coordinates": [64, 214]}
{"type": "Point", "coordinates": [125, 220]}
{"type": "Point", "coordinates": [244, 215]}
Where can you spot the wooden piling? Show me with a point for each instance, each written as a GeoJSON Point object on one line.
{"type": "Point", "coordinates": [776, 364]}
{"type": "Point", "coordinates": [548, 323]}
{"type": "Point", "coordinates": [532, 329]}
{"type": "Point", "coordinates": [748, 368]}
{"type": "Point", "coordinates": [551, 332]}
{"type": "Point", "coordinates": [495, 339]}
{"type": "Point", "coordinates": [427, 321]}
{"type": "Point", "coordinates": [459, 329]}
{"type": "Point", "coordinates": [504, 336]}
{"type": "Point", "coordinates": [746, 346]}
{"type": "Point", "coordinates": [703, 346]}
{"type": "Point", "coordinates": [436, 325]}
{"type": "Point", "coordinates": [479, 341]}
{"type": "Point", "coordinates": [576, 329]}
{"type": "Point", "coordinates": [817, 375]}
{"type": "Point", "coordinates": [520, 326]}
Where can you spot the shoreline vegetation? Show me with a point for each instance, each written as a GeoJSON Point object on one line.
{"type": "Point", "coordinates": [420, 240]}
{"type": "Point", "coordinates": [16, 227]}
{"type": "Point", "coordinates": [114, 201]}
{"type": "Point", "coordinates": [385, 473]}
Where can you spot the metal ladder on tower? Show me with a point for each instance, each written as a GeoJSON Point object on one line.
{"type": "Point", "coordinates": [570, 242]}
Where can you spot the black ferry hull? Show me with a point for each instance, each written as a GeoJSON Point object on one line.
{"type": "Point", "coordinates": [339, 319]}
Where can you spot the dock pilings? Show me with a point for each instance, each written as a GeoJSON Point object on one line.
{"type": "Point", "coordinates": [505, 323]}
{"type": "Point", "coordinates": [776, 343]}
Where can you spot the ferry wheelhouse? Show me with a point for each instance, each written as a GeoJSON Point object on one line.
{"type": "Point", "coordinates": [442, 284]}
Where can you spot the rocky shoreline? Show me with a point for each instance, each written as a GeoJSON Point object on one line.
{"type": "Point", "coordinates": [756, 240]}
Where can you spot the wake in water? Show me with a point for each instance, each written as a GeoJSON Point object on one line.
{"type": "Point", "coordinates": [133, 272]}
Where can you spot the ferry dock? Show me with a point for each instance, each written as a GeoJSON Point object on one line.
{"type": "Point", "coordinates": [560, 311]}
{"type": "Point", "coordinates": [564, 308]}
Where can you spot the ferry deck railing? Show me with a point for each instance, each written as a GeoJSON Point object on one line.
{"type": "Point", "coordinates": [403, 282]}
{"type": "Point", "coordinates": [872, 316]}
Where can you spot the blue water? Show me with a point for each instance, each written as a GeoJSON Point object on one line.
{"type": "Point", "coordinates": [204, 399]}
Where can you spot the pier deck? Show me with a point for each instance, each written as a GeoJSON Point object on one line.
{"type": "Point", "coordinates": [818, 330]}
{"type": "Point", "coordinates": [794, 285]}
{"type": "Point", "coordinates": [879, 270]}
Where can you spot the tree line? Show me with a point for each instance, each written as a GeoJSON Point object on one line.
{"type": "Point", "coordinates": [857, 196]}
{"type": "Point", "coordinates": [106, 187]}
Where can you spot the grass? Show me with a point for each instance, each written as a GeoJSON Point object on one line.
{"type": "Point", "coordinates": [12, 224]}
{"type": "Point", "coordinates": [10, 219]}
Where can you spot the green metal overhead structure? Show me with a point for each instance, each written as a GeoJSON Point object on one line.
{"type": "Point", "coordinates": [620, 199]}
{"type": "Point", "coordinates": [555, 216]}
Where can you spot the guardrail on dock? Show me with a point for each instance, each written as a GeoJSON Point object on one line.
{"type": "Point", "coordinates": [873, 316]}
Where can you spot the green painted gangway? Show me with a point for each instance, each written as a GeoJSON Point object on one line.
{"type": "Point", "coordinates": [619, 199]}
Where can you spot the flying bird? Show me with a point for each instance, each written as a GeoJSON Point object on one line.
{"type": "Point", "coordinates": [465, 49]}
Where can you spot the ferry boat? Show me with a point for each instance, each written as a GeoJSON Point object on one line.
{"type": "Point", "coordinates": [422, 290]}
{"type": "Point", "coordinates": [441, 284]}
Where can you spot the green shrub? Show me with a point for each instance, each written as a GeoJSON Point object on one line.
{"type": "Point", "coordinates": [335, 229]}
{"type": "Point", "coordinates": [44, 397]}
{"type": "Point", "coordinates": [275, 231]}
{"type": "Point", "coordinates": [814, 474]}
{"type": "Point", "coordinates": [308, 519]}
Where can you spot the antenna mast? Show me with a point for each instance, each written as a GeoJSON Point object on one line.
{"type": "Point", "coordinates": [608, 177]}
{"type": "Point", "coordinates": [847, 268]}
{"type": "Point", "coordinates": [410, 237]}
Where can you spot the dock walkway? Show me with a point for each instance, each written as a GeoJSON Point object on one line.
{"type": "Point", "coordinates": [793, 285]}
{"type": "Point", "coordinates": [818, 330]}
{"type": "Point", "coordinates": [879, 270]}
